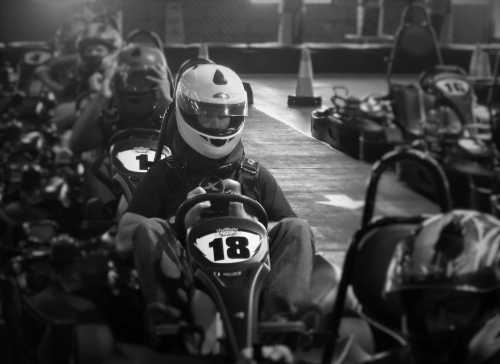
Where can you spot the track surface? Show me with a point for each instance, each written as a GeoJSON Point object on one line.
{"type": "Point", "coordinates": [325, 186]}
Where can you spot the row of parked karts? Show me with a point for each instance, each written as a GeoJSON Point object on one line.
{"type": "Point", "coordinates": [63, 290]}
{"type": "Point", "coordinates": [447, 113]}
{"type": "Point", "coordinates": [440, 115]}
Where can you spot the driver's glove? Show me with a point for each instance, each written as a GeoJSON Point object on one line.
{"type": "Point", "coordinates": [236, 208]}
{"type": "Point", "coordinates": [194, 214]}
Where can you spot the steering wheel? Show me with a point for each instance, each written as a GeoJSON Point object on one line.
{"type": "Point", "coordinates": [219, 207]}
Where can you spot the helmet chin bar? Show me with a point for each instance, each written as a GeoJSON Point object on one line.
{"type": "Point", "coordinates": [217, 142]}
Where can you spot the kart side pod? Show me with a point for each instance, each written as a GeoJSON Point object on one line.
{"type": "Point", "coordinates": [358, 137]}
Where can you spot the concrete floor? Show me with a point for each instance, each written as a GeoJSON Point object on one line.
{"type": "Point", "coordinates": [271, 92]}
{"type": "Point", "coordinates": [325, 186]}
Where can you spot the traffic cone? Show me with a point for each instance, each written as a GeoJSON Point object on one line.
{"type": "Point", "coordinates": [304, 95]}
{"type": "Point", "coordinates": [479, 66]}
{"type": "Point", "coordinates": [203, 51]}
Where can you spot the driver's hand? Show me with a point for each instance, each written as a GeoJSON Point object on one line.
{"type": "Point", "coordinates": [194, 214]}
{"type": "Point", "coordinates": [236, 208]}
{"type": "Point", "coordinates": [231, 186]}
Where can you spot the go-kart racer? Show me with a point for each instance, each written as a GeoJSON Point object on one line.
{"type": "Point", "coordinates": [447, 277]}
{"type": "Point", "coordinates": [68, 75]}
{"type": "Point", "coordinates": [211, 107]}
{"type": "Point", "coordinates": [133, 92]}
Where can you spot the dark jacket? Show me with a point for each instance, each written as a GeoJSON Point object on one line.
{"type": "Point", "coordinates": [167, 183]}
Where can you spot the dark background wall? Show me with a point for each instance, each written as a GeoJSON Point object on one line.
{"type": "Point", "coordinates": [235, 21]}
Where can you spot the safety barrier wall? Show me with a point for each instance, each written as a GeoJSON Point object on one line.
{"type": "Point", "coordinates": [273, 58]}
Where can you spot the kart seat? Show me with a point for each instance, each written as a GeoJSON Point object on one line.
{"type": "Point", "coordinates": [408, 102]}
{"type": "Point", "coordinates": [415, 38]}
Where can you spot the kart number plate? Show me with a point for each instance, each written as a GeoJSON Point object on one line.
{"type": "Point", "coordinates": [453, 86]}
{"type": "Point", "coordinates": [221, 248]}
{"type": "Point", "coordinates": [137, 160]}
{"type": "Point", "coordinates": [36, 58]}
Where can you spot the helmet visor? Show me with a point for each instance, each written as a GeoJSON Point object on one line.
{"type": "Point", "coordinates": [136, 80]}
{"type": "Point", "coordinates": [213, 119]}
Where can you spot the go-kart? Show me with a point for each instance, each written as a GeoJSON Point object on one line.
{"type": "Point", "coordinates": [117, 172]}
{"type": "Point", "coordinates": [49, 283]}
{"type": "Point", "coordinates": [448, 128]}
{"type": "Point", "coordinates": [366, 128]}
{"type": "Point", "coordinates": [34, 110]}
{"type": "Point", "coordinates": [363, 129]}
{"type": "Point", "coordinates": [229, 260]}
{"type": "Point", "coordinates": [370, 251]}
{"type": "Point", "coordinates": [33, 57]}
{"type": "Point", "coordinates": [40, 179]}
{"type": "Point", "coordinates": [438, 114]}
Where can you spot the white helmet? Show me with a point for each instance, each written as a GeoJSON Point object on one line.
{"type": "Point", "coordinates": [210, 90]}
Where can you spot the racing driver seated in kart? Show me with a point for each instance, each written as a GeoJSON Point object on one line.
{"type": "Point", "coordinates": [210, 112]}
{"type": "Point", "coordinates": [134, 92]}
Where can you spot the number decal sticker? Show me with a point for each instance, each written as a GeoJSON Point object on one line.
{"type": "Point", "coordinates": [136, 160]}
{"type": "Point", "coordinates": [220, 248]}
{"type": "Point", "coordinates": [453, 86]}
{"type": "Point", "coordinates": [36, 58]}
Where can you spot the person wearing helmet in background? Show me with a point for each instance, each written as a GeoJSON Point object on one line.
{"type": "Point", "coordinates": [70, 76]}
{"type": "Point", "coordinates": [133, 92]}
{"type": "Point", "coordinates": [210, 112]}
{"type": "Point", "coordinates": [447, 277]}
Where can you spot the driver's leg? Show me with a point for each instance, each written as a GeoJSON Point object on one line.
{"type": "Point", "coordinates": [167, 287]}
{"type": "Point", "coordinates": [157, 256]}
{"type": "Point", "coordinates": [286, 291]}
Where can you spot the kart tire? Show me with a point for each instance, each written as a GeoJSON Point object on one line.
{"type": "Point", "coordinates": [93, 344]}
